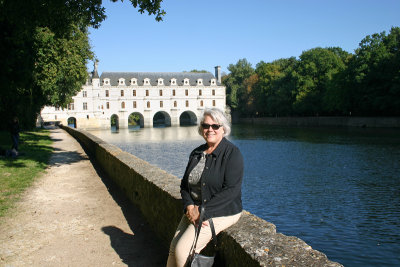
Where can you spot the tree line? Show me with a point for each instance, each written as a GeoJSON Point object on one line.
{"type": "Point", "coordinates": [44, 50]}
{"type": "Point", "coordinates": [321, 82]}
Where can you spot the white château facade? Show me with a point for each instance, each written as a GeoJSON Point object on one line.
{"type": "Point", "coordinates": [166, 98]}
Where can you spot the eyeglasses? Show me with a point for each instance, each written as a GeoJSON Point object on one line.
{"type": "Point", "coordinates": [206, 126]}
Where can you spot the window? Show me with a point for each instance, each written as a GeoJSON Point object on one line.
{"type": "Point", "coordinates": [213, 103]}
{"type": "Point", "coordinates": [134, 104]}
{"type": "Point", "coordinates": [213, 92]}
{"type": "Point", "coordinates": [107, 93]}
{"type": "Point", "coordinates": [161, 104]}
{"type": "Point", "coordinates": [187, 103]}
{"type": "Point", "coordinates": [122, 92]}
{"type": "Point", "coordinates": [84, 106]}
{"type": "Point", "coordinates": [133, 81]}
{"type": "Point", "coordinates": [108, 105]}
{"type": "Point", "coordinates": [175, 104]}
{"type": "Point", "coordinates": [123, 105]}
{"type": "Point", "coordinates": [57, 108]}
{"type": "Point", "coordinates": [186, 92]}
{"type": "Point", "coordinates": [71, 106]}
{"type": "Point", "coordinates": [200, 93]}
{"type": "Point", "coordinates": [84, 94]}
{"type": "Point", "coordinates": [148, 104]}
{"type": "Point", "coordinates": [173, 92]}
{"type": "Point", "coordinates": [201, 103]}
{"type": "Point", "coordinates": [160, 92]}
{"type": "Point", "coordinates": [55, 117]}
{"type": "Point", "coordinates": [147, 92]}
{"type": "Point", "coordinates": [134, 93]}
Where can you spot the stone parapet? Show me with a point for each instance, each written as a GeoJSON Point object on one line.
{"type": "Point", "coordinates": [251, 242]}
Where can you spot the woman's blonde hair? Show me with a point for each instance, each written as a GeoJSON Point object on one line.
{"type": "Point", "coordinates": [219, 117]}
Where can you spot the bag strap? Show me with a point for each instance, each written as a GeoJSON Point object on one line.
{"type": "Point", "coordinates": [198, 228]}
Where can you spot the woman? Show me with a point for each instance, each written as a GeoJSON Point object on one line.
{"type": "Point", "coordinates": [212, 180]}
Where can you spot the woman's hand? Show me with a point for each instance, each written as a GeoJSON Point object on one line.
{"type": "Point", "coordinates": [205, 223]}
{"type": "Point", "coordinates": [192, 213]}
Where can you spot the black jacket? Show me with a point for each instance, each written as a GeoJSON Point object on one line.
{"type": "Point", "coordinates": [221, 180]}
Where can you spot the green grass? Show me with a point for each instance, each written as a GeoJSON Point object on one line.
{"type": "Point", "coordinates": [18, 174]}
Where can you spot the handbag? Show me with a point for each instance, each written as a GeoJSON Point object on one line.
{"type": "Point", "coordinates": [196, 259]}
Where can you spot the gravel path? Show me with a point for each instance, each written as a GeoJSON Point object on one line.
{"type": "Point", "coordinates": [72, 216]}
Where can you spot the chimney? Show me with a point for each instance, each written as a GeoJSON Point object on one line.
{"type": "Point", "coordinates": [95, 76]}
{"type": "Point", "coordinates": [95, 73]}
{"type": "Point", "coordinates": [218, 73]}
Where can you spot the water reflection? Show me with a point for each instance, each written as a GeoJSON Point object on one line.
{"type": "Point", "coordinates": [159, 134]}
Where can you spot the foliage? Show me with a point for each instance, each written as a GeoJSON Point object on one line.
{"type": "Point", "coordinates": [315, 70]}
{"type": "Point", "coordinates": [17, 174]}
{"type": "Point", "coordinates": [45, 49]}
{"type": "Point", "coordinates": [114, 120]}
{"type": "Point", "coordinates": [199, 71]}
{"type": "Point", "coordinates": [234, 82]}
{"type": "Point", "coordinates": [323, 81]}
{"type": "Point", "coordinates": [133, 119]}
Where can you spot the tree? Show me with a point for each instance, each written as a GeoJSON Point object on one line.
{"type": "Point", "coordinates": [199, 71]}
{"type": "Point", "coordinates": [373, 75]}
{"type": "Point", "coordinates": [234, 82]}
{"type": "Point", "coordinates": [45, 49]}
{"type": "Point", "coordinates": [316, 69]}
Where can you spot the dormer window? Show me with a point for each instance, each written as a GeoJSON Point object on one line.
{"type": "Point", "coordinates": [199, 81]}
{"type": "Point", "coordinates": [186, 81]}
{"type": "Point", "coordinates": [160, 81]}
{"type": "Point", "coordinates": [133, 81]}
{"type": "Point", "coordinates": [212, 81]}
{"type": "Point", "coordinates": [173, 81]}
{"type": "Point", "coordinates": [106, 81]}
{"type": "Point", "coordinates": [146, 81]}
{"type": "Point", "coordinates": [121, 81]}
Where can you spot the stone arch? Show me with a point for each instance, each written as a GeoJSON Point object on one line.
{"type": "Point", "coordinates": [161, 119]}
{"type": "Point", "coordinates": [187, 118]}
{"type": "Point", "coordinates": [135, 121]}
{"type": "Point", "coordinates": [72, 122]}
{"type": "Point", "coordinates": [114, 122]}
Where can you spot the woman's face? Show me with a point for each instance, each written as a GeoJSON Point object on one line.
{"type": "Point", "coordinates": [212, 137]}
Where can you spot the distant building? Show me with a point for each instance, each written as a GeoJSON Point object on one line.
{"type": "Point", "coordinates": [154, 98]}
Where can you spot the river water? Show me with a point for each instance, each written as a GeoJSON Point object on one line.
{"type": "Point", "coordinates": [338, 189]}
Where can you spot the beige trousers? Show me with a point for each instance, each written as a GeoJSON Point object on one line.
{"type": "Point", "coordinates": [184, 236]}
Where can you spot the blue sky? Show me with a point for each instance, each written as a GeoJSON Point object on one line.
{"type": "Point", "coordinates": [201, 34]}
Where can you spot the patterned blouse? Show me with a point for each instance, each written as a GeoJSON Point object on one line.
{"type": "Point", "coordinates": [194, 178]}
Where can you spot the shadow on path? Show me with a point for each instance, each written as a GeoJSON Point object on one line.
{"type": "Point", "coordinates": [143, 248]}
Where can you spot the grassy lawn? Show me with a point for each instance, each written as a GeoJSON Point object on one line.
{"type": "Point", "coordinates": [19, 173]}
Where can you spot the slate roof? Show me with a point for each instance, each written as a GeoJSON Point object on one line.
{"type": "Point", "coordinates": [154, 76]}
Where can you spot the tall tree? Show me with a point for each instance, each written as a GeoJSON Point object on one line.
{"type": "Point", "coordinates": [373, 75]}
{"type": "Point", "coordinates": [45, 49]}
{"type": "Point", "coordinates": [234, 82]}
{"type": "Point", "coordinates": [316, 69]}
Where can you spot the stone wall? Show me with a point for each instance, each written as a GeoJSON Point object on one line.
{"type": "Point", "coordinates": [250, 242]}
{"type": "Point", "coordinates": [373, 122]}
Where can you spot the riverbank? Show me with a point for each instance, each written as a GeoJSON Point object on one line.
{"type": "Point", "coordinates": [364, 122]}
{"type": "Point", "coordinates": [73, 215]}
